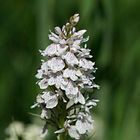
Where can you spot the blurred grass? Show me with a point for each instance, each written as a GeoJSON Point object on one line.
{"type": "Point", "coordinates": [114, 32]}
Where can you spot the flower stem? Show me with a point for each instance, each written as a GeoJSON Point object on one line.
{"type": "Point", "coordinates": [62, 136]}
{"type": "Point", "coordinates": [61, 120]}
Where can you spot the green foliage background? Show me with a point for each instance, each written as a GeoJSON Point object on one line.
{"type": "Point", "coordinates": [114, 30]}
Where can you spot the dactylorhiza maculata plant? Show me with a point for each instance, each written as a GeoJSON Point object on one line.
{"type": "Point", "coordinates": [65, 71]}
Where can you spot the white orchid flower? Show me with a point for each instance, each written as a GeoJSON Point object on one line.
{"type": "Point", "coordinates": [65, 71]}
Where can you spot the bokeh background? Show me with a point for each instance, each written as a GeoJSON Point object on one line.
{"type": "Point", "coordinates": [114, 30]}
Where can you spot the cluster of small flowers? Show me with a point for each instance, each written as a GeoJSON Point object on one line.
{"type": "Point", "coordinates": [17, 131]}
{"type": "Point", "coordinates": [65, 71]}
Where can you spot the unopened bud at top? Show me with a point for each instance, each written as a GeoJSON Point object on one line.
{"type": "Point", "coordinates": [74, 19]}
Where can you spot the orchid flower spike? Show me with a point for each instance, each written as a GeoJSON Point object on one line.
{"type": "Point", "coordinates": [65, 71]}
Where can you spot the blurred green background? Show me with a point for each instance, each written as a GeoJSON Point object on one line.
{"type": "Point", "coordinates": [114, 30]}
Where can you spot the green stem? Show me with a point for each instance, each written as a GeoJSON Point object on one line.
{"type": "Point", "coordinates": [62, 118]}
{"type": "Point", "coordinates": [62, 136]}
